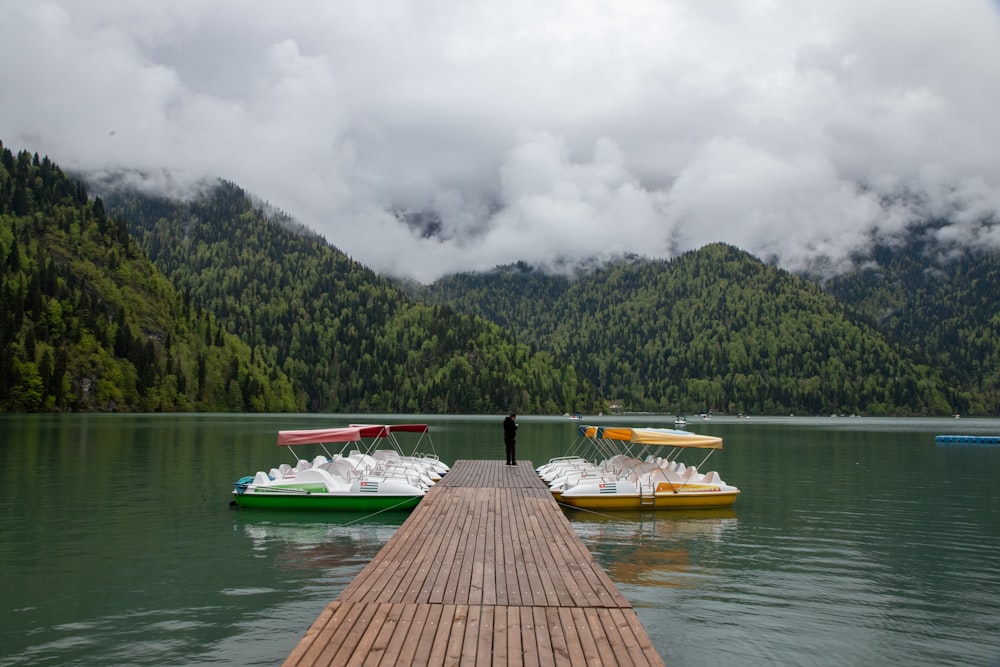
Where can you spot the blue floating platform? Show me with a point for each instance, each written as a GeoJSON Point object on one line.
{"type": "Point", "coordinates": [968, 439]}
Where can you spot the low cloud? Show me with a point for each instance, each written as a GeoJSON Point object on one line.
{"type": "Point", "coordinates": [547, 133]}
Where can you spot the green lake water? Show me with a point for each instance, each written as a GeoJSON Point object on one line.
{"type": "Point", "coordinates": [855, 541]}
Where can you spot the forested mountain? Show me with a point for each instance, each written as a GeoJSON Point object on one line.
{"type": "Point", "coordinates": [87, 323]}
{"type": "Point", "coordinates": [712, 330]}
{"type": "Point", "coordinates": [941, 300]}
{"type": "Point", "coordinates": [348, 339]}
{"type": "Point", "coordinates": [133, 302]}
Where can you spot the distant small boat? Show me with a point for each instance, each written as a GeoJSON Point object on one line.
{"type": "Point", "coordinates": [681, 420]}
{"type": "Point", "coordinates": [968, 439]}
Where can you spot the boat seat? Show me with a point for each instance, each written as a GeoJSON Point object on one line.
{"type": "Point", "coordinates": [284, 469]}
{"type": "Point", "coordinates": [666, 475]}
{"type": "Point", "coordinates": [341, 468]}
{"type": "Point", "coordinates": [314, 475]}
{"type": "Point", "coordinates": [302, 465]}
{"type": "Point", "coordinates": [643, 468]}
{"type": "Point", "coordinates": [712, 478]}
{"type": "Point", "coordinates": [319, 460]}
{"type": "Point", "coordinates": [261, 478]}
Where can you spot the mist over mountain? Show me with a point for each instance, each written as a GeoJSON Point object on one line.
{"type": "Point", "coordinates": [428, 138]}
{"type": "Point", "coordinates": [921, 302]}
{"type": "Point", "coordinates": [911, 331]}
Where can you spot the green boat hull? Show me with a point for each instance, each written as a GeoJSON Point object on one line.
{"type": "Point", "coordinates": [327, 503]}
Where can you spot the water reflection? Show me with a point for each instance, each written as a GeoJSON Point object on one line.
{"type": "Point", "coordinates": [651, 548]}
{"type": "Point", "coordinates": [307, 541]}
{"type": "Point", "coordinates": [855, 541]}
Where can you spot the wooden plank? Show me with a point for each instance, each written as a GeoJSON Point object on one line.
{"type": "Point", "coordinates": [486, 570]}
{"type": "Point", "coordinates": [534, 553]}
{"type": "Point", "coordinates": [588, 643]}
{"type": "Point", "coordinates": [529, 639]}
{"type": "Point", "coordinates": [396, 549]}
{"type": "Point", "coordinates": [439, 649]}
{"type": "Point", "coordinates": [500, 646]}
{"type": "Point", "coordinates": [515, 651]}
{"type": "Point", "coordinates": [549, 587]}
{"type": "Point", "coordinates": [457, 589]}
{"type": "Point", "coordinates": [508, 592]}
{"type": "Point", "coordinates": [492, 582]}
{"type": "Point", "coordinates": [469, 651]}
{"type": "Point", "coordinates": [419, 580]}
{"type": "Point", "coordinates": [580, 570]}
{"type": "Point", "coordinates": [331, 635]}
{"type": "Point", "coordinates": [487, 636]}
{"type": "Point", "coordinates": [644, 643]}
{"type": "Point", "coordinates": [355, 656]}
{"type": "Point", "coordinates": [574, 645]}
{"type": "Point", "coordinates": [557, 638]}
{"type": "Point", "coordinates": [421, 656]}
{"type": "Point", "coordinates": [380, 631]}
{"type": "Point", "coordinates": [456, 639]}
{"type": "Point", "coordinates": [444, 559]}
{"type": "Point", "coordinates": [341, 647]}
{"type": "Point", "coordinates": [566, 574]}
{"type": "Point", "coordinates": [477, 571]}
{"type": "Point", "coordinates": [398, 644]}
{"type": "Point", "coordinates": [615, 622]}
{"type": "Point", "coordinates": [470, 583]}
{"type": "Point", "coordinates": [520, 545]}
{"type": "Point", "coordinates": [602, 641]}
{"type": "Point", "coordinates": [308, 646]}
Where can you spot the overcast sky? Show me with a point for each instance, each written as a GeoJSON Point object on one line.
{"type": "Point", "coordinates": [538, 131]}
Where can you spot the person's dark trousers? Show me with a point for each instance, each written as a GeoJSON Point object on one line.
{"type": "Point", "coordinates": [511, 458]}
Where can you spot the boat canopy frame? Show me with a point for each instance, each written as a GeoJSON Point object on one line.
{"type": "Point", "coordinates": [365, 438]}
{"type": "Point", "coordinates": [613, 440]}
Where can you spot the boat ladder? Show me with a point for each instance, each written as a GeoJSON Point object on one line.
{"type": "Point", "coordinates": [647, 495]}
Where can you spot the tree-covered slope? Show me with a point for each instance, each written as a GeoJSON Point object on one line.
{"type": "Point", "coordinates": [942, 301]}
{"type": "Point", "coordinates": [714, 329]}
{"type": "Point", "coordinates": [246, 310]}
{"type": "Point", "coordinates": [87, 323]}
{"type": "Point", "coordinates": [349, 339]}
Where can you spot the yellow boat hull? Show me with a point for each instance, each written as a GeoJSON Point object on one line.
{"type": "Point", "coordinates": [659, 501]}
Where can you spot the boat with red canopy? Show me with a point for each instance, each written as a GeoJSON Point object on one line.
{"type": "Point", "coordinates": [368, 472]}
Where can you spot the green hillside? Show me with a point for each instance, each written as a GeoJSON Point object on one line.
{"type": "Point", "coordinates": [87, 323]}
{"type": "Point", "coordinates": [349, 339]}
{"type": "Point", "coordinates": [941, 301]}
{"type": "Point", "coordinates": [712, 330]}
{"type": "Point", "coordinates": [128, 302]}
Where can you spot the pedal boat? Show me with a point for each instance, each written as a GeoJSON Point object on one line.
{"type": "Point", "coordinates": [366, 475]}
{"type": "Point", "coordinates": [636, 474]}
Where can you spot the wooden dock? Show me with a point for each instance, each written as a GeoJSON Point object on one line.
{"type": "Point", "coordinates": [486, 571]}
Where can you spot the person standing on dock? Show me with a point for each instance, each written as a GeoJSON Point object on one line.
{"type": "Point", "coordinates": [509, 435]}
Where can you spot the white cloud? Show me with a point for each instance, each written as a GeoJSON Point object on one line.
{"type": "Point", "coordinates": [536, 131]}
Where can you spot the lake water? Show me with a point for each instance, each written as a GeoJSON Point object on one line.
{"type": "Point", "coordinates": [855, 541]}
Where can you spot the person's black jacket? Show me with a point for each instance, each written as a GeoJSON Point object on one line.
{"type": "Point", "coordinates": [509, 428]}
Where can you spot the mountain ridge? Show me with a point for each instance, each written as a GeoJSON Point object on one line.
{"type": "Point", "coordinates": [732, 334]}
{"type": "Point", "coordinates": [715, 329]}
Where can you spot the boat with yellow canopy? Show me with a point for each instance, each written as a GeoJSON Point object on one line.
{"type": "Point", "coordinates": [640, 469]}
